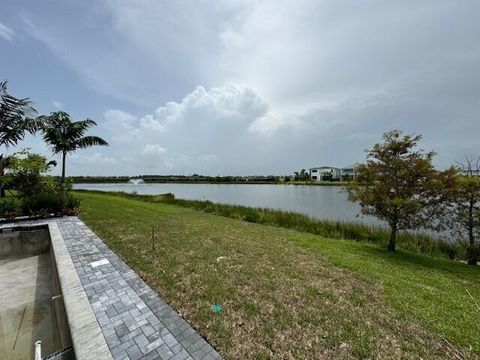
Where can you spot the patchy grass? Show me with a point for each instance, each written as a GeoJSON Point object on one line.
{"type": "Point", "coordinates": [287, 294]}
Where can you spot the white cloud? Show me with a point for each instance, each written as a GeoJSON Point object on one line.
{"type": "Point", "coordinates": [230, 103]}
{"type": "Point", "coordinates": [271, 123]}
{"type": "Point", "coordinates": [153, 158]}
{"type": "Point", "coordinates": [193, 130]}
{"type": "Point", "coordinates": [153, 150]}
{"type": "Point", "coordinates": [148, 123]}
{"type": "Point", "coordinates": [6, 32]}
{"type": "Point", "coordinates": [119, 117]}
{"type": "Point", "coordinates": [121, 125]}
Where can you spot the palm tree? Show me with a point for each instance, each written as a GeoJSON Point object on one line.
{"type": "Point", "coordinates": [16, 119]}
{"type": "Point", "coordinates": [66, 136]}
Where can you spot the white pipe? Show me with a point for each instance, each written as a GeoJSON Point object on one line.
{"type": "Point", "coordinates": [38, 350]}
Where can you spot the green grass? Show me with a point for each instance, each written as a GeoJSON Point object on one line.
{"type": "Point", "coordinates": [414, 242]}
{"type": "Point", "coordinates": [291, 294]}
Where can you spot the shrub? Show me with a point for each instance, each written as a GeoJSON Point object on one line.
{"type": "Point", "coordinates": [72, 205]}
{"type": "Point", "coordinates": [9, 207]}
{"type": "Point", "coordinates": [252, 216]}
{"type": "Point", "coordinates": [42, 203]}
{"type": "Point", "coordinates": [452, 250]}
{"type": "Point", "coordinates": [27, 173]}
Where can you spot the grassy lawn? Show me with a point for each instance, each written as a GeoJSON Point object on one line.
{"type": "Point", "coordinates": [288, 294]}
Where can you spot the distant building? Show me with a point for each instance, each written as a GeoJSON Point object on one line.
{"type": "Point", "coordinates": [323, 173]}
{"type": "Point", "coordinates": [331, 173]}
{"type": "Point", "coordinates": [349, 172]}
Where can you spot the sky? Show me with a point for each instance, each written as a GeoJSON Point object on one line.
{"type": "Point", "coordinates": [246, 87]}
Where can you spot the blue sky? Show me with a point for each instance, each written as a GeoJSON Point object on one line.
{"type": "Point", "coordinates": [246, 87]}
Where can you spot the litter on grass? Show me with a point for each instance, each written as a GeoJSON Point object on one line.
{"type": "Point", "coordinates": [216, 308]}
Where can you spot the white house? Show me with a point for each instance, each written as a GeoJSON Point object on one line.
{"type": "Point", "coordinates": [322, 173]}
{"type": "Point", "coordinates": [348, 172]}
{"type": "Point", "coordinates": [325, 173]}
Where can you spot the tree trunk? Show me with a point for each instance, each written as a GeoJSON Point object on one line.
{"type": "Point", "coordinates": [2, 173]}
{"type": "Point", "coordinates": [63, 194]}
{"type": "Point", "coordinates": [472, 252]}
{"type": "Point", "coordinates": [473, 256]}
{"type": "Point", "coordinates": [393, 237]}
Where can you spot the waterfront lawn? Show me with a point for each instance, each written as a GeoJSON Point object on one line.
{"type": "Point", "coordinates": [288, 294]}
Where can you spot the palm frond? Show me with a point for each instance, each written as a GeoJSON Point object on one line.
{"type": "Point", "coordinates": [89, 141]}
{"type": "Point", "coordinates": [65, 135]}
{"type": "Point", "coordinates": [16, 117]}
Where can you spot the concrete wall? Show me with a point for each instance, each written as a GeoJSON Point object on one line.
{"type": "Point", "coordinates": [24, 243]}
{"type": "Point", "coordinates": [59, 318]}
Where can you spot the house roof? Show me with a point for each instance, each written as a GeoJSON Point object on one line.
{"type": "Point", "coordinates": [352, 166]}
{"type": "Point", "coordinates": [324, 167]}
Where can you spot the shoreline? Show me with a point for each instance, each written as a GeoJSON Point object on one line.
{"type": "Point", "coordinates": [333, 183]}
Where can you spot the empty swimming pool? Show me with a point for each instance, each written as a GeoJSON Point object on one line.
{"type": "Point", "coordinates": [31, 304]}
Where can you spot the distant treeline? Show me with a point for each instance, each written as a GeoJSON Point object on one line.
{"type": "Point", "coordinates": [261, 179]}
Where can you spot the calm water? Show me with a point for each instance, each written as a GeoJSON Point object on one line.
{"type": "Point", "coordinates": [322, 202]}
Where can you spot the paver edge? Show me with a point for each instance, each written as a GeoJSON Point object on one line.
{"type": "Point", "coordinates": [79, 312]}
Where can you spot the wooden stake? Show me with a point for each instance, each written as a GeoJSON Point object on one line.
{"type": "Point", "coordinates": [153, 237]}
{"type": "Point", "coordinates": [474, 301]}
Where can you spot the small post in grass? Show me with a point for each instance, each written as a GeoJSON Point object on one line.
{"type": "Point", "coordinates": [153, 237]}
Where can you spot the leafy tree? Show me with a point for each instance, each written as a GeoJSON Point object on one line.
{"type": "Point", "coordinates": [303, 175]}
{"type": "Point", "coordinates": [27, 173]}
{"type": "Point", "coordinates": [462, 215]}
{"type": "Point", "coordinates": [396, 184]}
{"type": "Point", "coordinates": [66, 136]}
{"type": "Point", "coordinates": [16, 119]}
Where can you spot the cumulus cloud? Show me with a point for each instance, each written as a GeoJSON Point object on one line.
{"type": "Point", "coordinates": [6, 32]}
{"type": "Point", "coordinates": [193, 130]}
{"type": "Point", "coordinates": [148, 123]}
{"type": "Point", "coordinates": [121, 125]}
{"type": "Point", "coordinates": [230, 103]}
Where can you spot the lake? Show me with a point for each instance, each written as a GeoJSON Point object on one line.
{"type": "Point", "coordinates": [321, 202]}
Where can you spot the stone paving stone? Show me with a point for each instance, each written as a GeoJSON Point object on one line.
{"type": "Point", "coordinates": [134, 352]}
{"type": "Point", "coordinates": [135, 321]}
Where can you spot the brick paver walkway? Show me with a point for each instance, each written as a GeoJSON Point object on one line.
{"type": "Point", "coordinates": [136, 322]}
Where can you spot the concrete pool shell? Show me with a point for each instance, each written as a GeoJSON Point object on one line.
{"type": "Point", "coordinates": [71, 289]}
{"type": "Point", "coordinates": [31, 307]}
